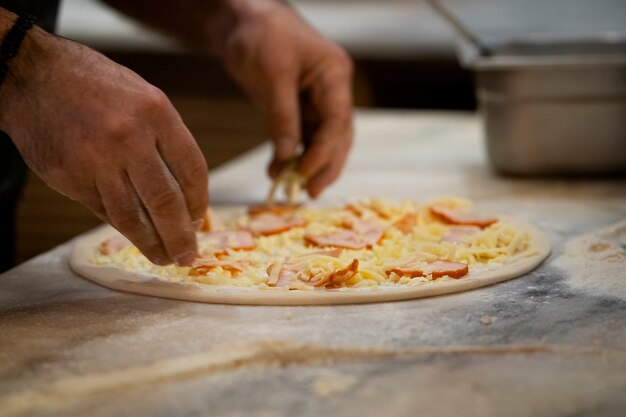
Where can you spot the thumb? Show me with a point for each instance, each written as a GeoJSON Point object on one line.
{"type": "Point", "coordinates": [283, 120]}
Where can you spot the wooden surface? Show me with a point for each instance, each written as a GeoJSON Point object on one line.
{"type": "Point", "coordinates": [550, 343]}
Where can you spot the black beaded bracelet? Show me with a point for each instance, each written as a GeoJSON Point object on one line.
{"type": "Point", "coordinates": [12, 41]}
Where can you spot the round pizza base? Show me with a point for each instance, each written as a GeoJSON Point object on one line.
{"type": "Point", "coordinates": [116, 278]}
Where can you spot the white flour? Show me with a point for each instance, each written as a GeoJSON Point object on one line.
{"type": "Point", "coordinates": [597, 262]}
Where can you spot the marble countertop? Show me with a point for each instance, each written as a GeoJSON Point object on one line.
{"type": "Point", "coordinates": [550, 343]}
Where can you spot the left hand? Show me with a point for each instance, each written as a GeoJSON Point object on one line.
{"type": "Point", "coordinates": [301, 81]}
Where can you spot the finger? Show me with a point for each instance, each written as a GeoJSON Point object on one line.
{"type": "Point", "coordinates": [331, 99]}
{"type": "Point", "coordinates": [124, 211]}
{"type": "Point", "coordinates": [330, 173]}
{"type": "Point", "coordinates": [183, 158]}
{"type": "Point", "coordinates": [164, 201]}
{"type": "Point", "coordinates": [186, 163]}
{"type": "Point", "coordinates": [282, 115]}
{"type": "Point", "coordinates": [275, 168]}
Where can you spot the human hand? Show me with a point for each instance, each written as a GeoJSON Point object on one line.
{"type": "Point", "coordinates": [98, 133]}
{"type": "Point", "coordinates": [301, 81]}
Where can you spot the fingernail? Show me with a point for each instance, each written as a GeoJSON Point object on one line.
{"type": "Point", "coordinates": [185, 258]}
{"type": "Point", "coordinates": [197, 224]}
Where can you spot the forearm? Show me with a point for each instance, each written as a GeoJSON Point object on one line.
{"type": "Point", "coordinates": [101, 135]}
{"type": "Point", "coordinates": [7, 20]}
{"type": "Point", "coordinates": [204, 24]}
{"type": "Point", "coordinates": [33, 53]}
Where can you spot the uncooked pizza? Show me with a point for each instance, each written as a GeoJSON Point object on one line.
{"type": "Point", "coordinates": [365, 251]}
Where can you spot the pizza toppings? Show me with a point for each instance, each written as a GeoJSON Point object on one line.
{"type": "Point", "coordinates": [369, 231]}
{"type": "Point", "coordinates": [266, 224]}
{"type": "Point", "coordinates": [406, 223]}
{"type": "Point", "coordinates": [456, 234]}
{"type": "Point", "coordinates": [220, 241]}
{"type": "Point", "coordinates": [283, 274]}
{"type": "Point", "coordinates": [276, 208]}
{"type": "Point", "coordinates": [300, 248]}
{"type": "Point", "coordinates": [345, 239]}
{"type": "Point", "coordinates": [114, 244]}
{"type": "Point", "coordinates": [355, 209]}
{"type": "Point", "coordinates": [436, 269]}
{"type": "Point", "coordinates": [466, 218]}
{"type": "Point", "coordinates": [336, 278]}
{"type": "Point", "coordinates": [333, 253]}
{"type": "Point", "coordinates": [362, 209]}
{"type": "Point", "coordinates": [210, 222]}
{"type": "Point", "coordinates": [203, 266]}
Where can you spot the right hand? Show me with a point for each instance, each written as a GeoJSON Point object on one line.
{"type": "Point", "coordinates": [300, 80]}
{"type": "Point", "coordinates": [101, 135]}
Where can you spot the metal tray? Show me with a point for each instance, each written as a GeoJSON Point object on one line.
{"type": "Point", "coordinates": [553, 106]}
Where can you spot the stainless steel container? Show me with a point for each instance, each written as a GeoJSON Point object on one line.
{"type": "Point", "coordinates": [553, 107]}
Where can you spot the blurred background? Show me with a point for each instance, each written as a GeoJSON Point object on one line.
{"type": "Point", "coordinates": [405, 58]}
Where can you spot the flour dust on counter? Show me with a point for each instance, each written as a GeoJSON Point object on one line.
{"type": "Point", "coordinates": [596, 262]}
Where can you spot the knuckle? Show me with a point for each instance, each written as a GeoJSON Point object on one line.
{"type": "Point", "coordinates": [124, 221]}
{"type": "Point", "coordinates": [274, 68]}
{"type": "Point", "coordinates": [343, 62]}
{"type": "Point", "coordinates": [121, 129]}
{"type": "Point", "coordinates": [125, 216]}
{"type": "Point", "coordinates": [198, 170]}
{"type": "Point", "coordinates": [162, 201]}
{"type": "Point", "coordinates": [153, 99]}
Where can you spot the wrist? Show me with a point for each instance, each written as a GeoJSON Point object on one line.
{"type": "Point", "coordinates": [32, 53]}
{"type": "Point", "coordinates": [230, 16]}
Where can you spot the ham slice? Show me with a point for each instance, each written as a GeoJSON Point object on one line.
{"type": "Point", "coordinates": [370, 231]}
{"type": "Point", "coordinates": [359, 210]}
{"type": "Point", "coordinates": [437, 269]}
{"type": "Point", "coordinates": [210, 222]}
{"type": "Point", "coordinates": [114, 244]}
{"type": "Point", "coordinates": [278, 209]}
{"type": "Point", "coordinates": [373, 237]}
{"type": "Point", "coordinates": [283, 274]}
{"type": "Point", "coordinates": [457, 233]}
{"type": "Point", "coordinates": [203, 266]}
{"type": "Point", "coordinates": [346, 239]}
{"type": "Point", "coordinates": [220, 241]}
{"type": "Point", "coordinates": [266, 224]}
{"type": "Point", "coordinates": [406, 224]}
{"type": "Point", "coordinates": [465, 218]}
{"type": "Point", "coordinates": [354, 209]}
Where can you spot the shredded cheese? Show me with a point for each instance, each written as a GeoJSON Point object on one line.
{"type": "Point", "coordinates": [494, 245]}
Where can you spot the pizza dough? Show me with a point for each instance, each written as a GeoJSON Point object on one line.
{"type": "Point", "coordinates": [86, 247]}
